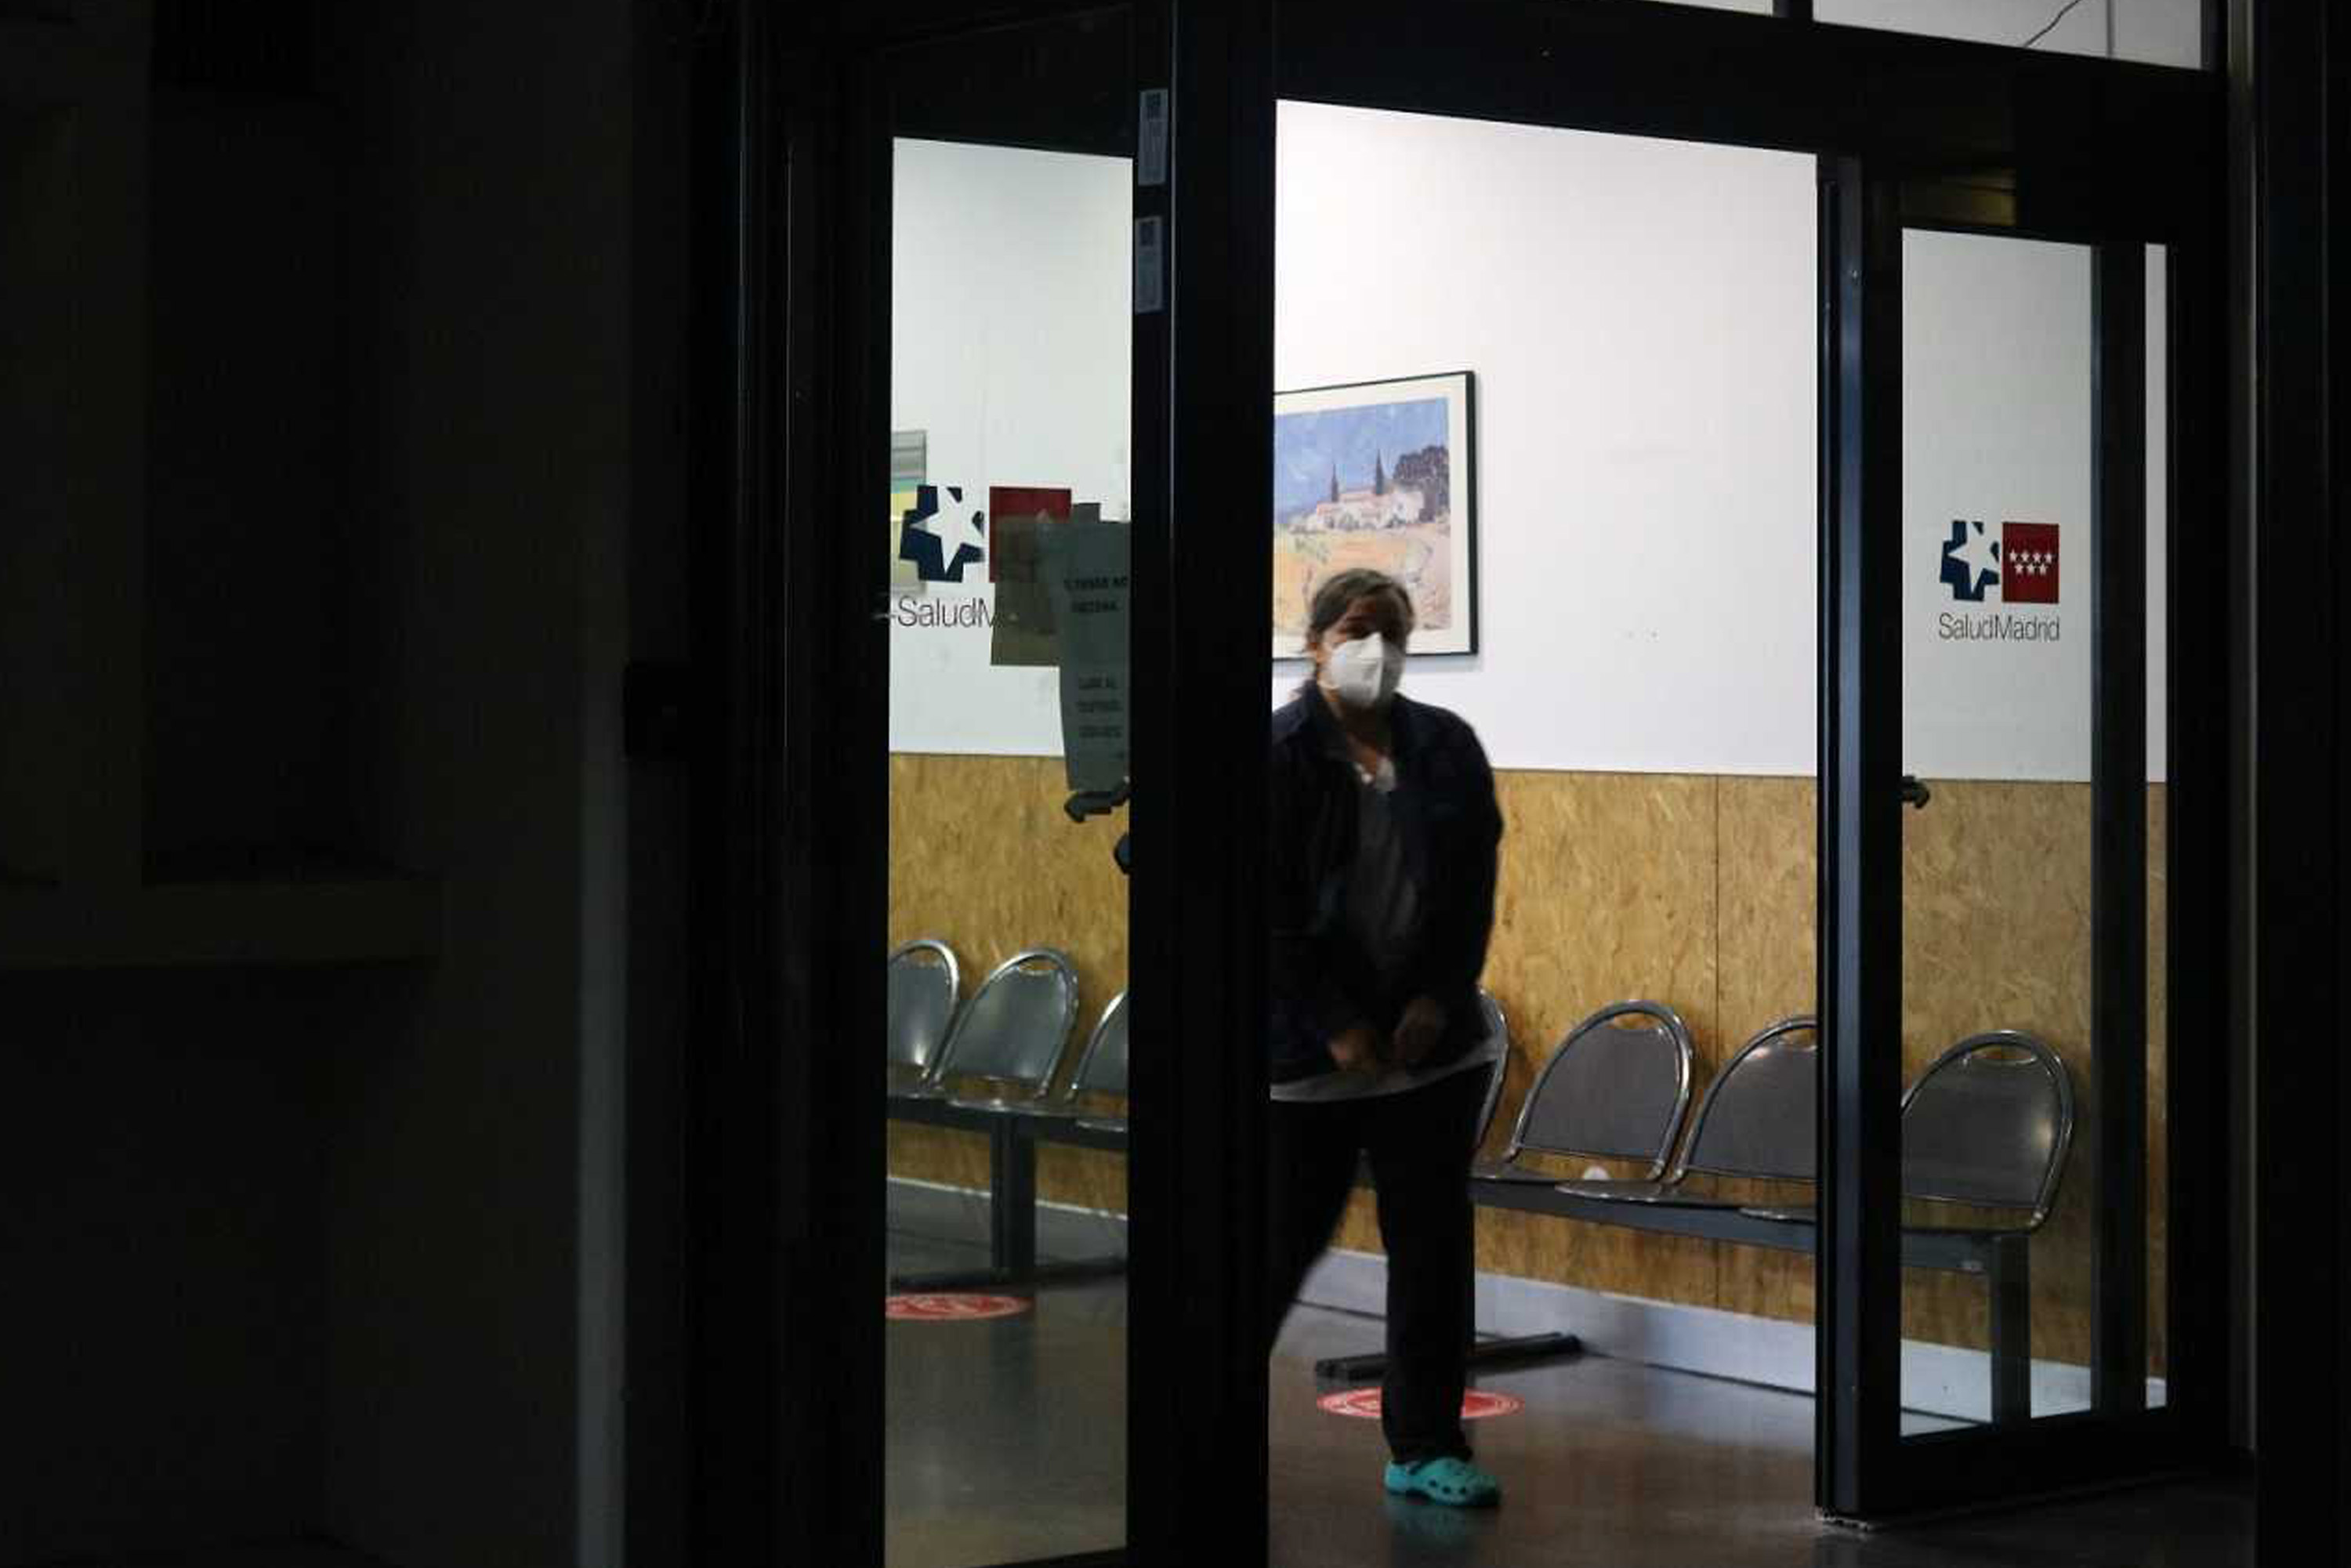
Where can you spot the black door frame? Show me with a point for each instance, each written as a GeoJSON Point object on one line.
{"type": "Point", "coordinates": [1869, 1473]}
{"type": "Point", "coordinates": [782, 1199]}
{"type": "Point", "coordinates": [2289, 368]}
{"type": "Point", "coordinates": [1940, 135]}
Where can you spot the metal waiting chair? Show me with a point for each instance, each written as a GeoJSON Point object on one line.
{"type": "Point", "coordinates": [1758, 1122]}
{"type": "Point", "coordinates": [1608, 1092]}
{"type": "Point", "coordinates": [1498, 1028]}
{"type": "Point", "coordinates": [1101, 1069]}
{"type": "Point", "coordinates": [925, 984]}
{"type": "Point", "coordinates": [1989, 1125]}
{"type": "Point", "coordinates": [1013, 1032]}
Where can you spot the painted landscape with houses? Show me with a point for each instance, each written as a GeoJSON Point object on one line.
{"type": "Point", "coordinates": [1365, 485]}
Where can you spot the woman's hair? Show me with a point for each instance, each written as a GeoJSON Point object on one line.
{"type": "Point", "coordinates": [1340, 591]}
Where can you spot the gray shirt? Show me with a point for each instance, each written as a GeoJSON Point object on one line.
{"type": "Point", "coordinates": [1383, 901]}
{"type": "Point", "coordinates": [1383, 915]}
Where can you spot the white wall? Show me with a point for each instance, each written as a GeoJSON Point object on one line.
{"type": "Point", "coordinates": [1641, 318]}
{"type": "Point", "coordinates": [1997, 425]}
{"type": "Point", "coordinates": [1011, 341]}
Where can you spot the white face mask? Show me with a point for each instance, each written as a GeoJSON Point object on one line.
{"type": "Point", "coordinates": [1364, 673]}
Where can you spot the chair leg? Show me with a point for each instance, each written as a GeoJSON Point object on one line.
{"type": "Point", "coordinates": [1011, 1229]}
{"type": "Point", "coordinates": [1012, 1200]}
{"type": "Point", "coordinates": [2010, 1285]}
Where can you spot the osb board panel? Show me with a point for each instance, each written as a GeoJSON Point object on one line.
{"type": "Point", "coordinates": [1771, 870]}
{"type": "Point", "coordinates": [1996, 935]}
{"type": "Point", "coordinates": [938, 1153]}
{"type": "Point", "coordinates": [1359, 1227]}
{"type": "Point", "coordinates": [1597, 1257]}
{"type": "Point", "coordinates": [1696, 891]}
{"type": "Point", "coordinates": [1091, 1178]}
{"type": "Point", "coordinates": [1607, 892]}
{"type": "Point", "coordinates": [983, 858]}
{"type": "Point", "coordinates": [1767, 1284]}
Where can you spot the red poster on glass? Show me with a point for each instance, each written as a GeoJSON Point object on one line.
{"type": "Point", "coordinates": [1009, 502]}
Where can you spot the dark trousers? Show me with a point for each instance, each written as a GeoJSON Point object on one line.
{"type": "Point", "coordinates": [1419, 1146]}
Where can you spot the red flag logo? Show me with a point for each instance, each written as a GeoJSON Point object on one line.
{"type": "Point", "coordinates": [2028, 563]}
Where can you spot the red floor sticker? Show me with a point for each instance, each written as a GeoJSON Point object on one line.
{"type": "Point", "coordinates": [951, 1308]}
{"type": "Point", "coordinates": [1475, 1405]}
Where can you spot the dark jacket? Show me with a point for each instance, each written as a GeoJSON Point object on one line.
{"type": "Point", "coordinates": [1445, 808]}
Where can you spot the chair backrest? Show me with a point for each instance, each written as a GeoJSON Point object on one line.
{"type": "Point", "coordinates": [1496, 1027]}
{"type": "Point", "coordinates": [1611, 1090]}
{"type": "Point", "coordinates": [1018, 1023]}
{"type": "Point", "coordinates": [1761, 1116]}
{"type": "Point", "coordinates": [924, 982]}
{"type": "Point", "coordinates": [1102, 1069]}
{"type": "Point", "coordinates": [1990, 1123]}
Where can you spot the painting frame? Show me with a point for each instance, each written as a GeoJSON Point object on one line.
{"type": "Point", "coordinates": [1355, 518]}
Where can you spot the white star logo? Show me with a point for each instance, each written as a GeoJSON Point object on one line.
{"type": "Point", "coordinates": [1981, 554]}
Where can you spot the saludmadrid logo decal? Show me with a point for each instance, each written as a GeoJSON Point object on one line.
{"type": "Point", "coordinates": [2022, 565]}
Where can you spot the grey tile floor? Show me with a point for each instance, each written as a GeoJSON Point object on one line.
{"type": "Point", "coordinates": [1006, 1441]}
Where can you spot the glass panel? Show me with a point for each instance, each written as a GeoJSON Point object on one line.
{"type": "Point", "coordinates": [2155, 32]}
{"type": "Point", "coordinates": [1011, 210]}
{"type": "Point", "coordinates": [1999, 1308]}
{"type": "Point", "coordinates": [1635, 499]}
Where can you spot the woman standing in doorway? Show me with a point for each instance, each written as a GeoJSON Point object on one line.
{"type": "Point", "coordinates": [1381, 866]}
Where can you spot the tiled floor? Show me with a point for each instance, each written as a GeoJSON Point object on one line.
{"type": "Point", "coordinates": [1006, 1441]}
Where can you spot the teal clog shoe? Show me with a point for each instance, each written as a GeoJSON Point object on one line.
{"type": "Point", "coordinates": [1457, 1483]}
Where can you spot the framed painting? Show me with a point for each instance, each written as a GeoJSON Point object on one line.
{"type": "Point", "coordinates": [1382, 474]}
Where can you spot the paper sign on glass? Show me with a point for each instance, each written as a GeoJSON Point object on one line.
{"type": "Point", "coordinates": [1086, 567]}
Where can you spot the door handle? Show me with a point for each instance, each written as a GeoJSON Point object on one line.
{"type": "Point", "coordinates": [1914, 793]}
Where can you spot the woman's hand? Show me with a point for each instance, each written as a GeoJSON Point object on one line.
{"type": "Point", "coordinates": [1356, 1046]}
{"type": "Point", "coordinates": [1419, 1029]}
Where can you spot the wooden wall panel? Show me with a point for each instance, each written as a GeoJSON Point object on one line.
{"type": "Point", "coordinates": [1770, 883]}
{"type": "Point", "coordinates": [1771, 874]}
{"type": "Point", "coordinates": [1698, 892]}
{"type": "Point", "coordinates": [1996, 933]}
{"type": "Point", "coordinates": [1607, 893]}
{"type": "Point", "coordinates": [983, 858]}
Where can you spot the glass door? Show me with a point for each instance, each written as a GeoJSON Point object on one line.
{"type": "Point", "coordinates": [1996, 1126]}
{"type": "Point", "coordinates": [1003, 581]}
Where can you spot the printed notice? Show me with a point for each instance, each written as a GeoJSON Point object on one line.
{"type": "Point", "coordinates": [1150, 140]}
{"type": "Point", "coordinates": [1086, 567]}
{"type": "Point", "coordinates": [1150, 265]}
